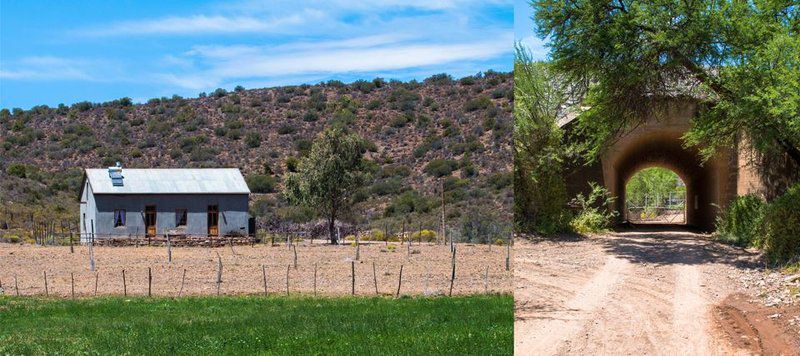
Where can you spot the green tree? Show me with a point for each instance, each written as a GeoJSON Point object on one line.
{"type": "Point", "coordinates": [328, 177]}
{"type": "Point", "coordinates": [539, 190]}
{"type": "Point", "coordinates": [740, 58]}
{"type": "Point", "coordinates": [652, 186]}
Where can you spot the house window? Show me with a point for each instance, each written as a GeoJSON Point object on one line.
{"type": "Point", "coordinates": [119, 217]}
{"type": "Point", "coordinates": [180, 217]}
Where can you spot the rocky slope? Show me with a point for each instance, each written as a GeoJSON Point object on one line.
{"type": "Point", "coordinates": [442, 131]}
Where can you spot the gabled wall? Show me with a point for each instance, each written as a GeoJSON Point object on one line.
{"type": "Point", "coordinates": [88, 211]}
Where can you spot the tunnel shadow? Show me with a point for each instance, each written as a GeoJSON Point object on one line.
{"type": "Point", "coordinates": [663, 244]}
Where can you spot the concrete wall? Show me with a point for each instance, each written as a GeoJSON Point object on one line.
{"type": "Point", "coordinates": [657, 143]}
{"type": "Point", "coordinates": [233, 213]}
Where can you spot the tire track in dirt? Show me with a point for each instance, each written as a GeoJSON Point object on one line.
{"type": "Point", "coordinates": [561, 324]}
{"type": "Point", "coordinates": [652, 293]}
{"type": "Point", "coordinates": [690, 312]}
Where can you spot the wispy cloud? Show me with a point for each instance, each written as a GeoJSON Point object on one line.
{"type": "Point", "coordinates": [198, 25]}
{"type": "Point", "coordinates": [281, 17]}
{"type": "Point", "coordinates": [47, 68]}
{"type": "Point", "coordinates": [368, 54]}
{"type": "Point", "coordinates": [183, 48]}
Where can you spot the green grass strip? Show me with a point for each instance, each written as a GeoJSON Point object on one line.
{"type": "Point", "coordinates": [258, 325]}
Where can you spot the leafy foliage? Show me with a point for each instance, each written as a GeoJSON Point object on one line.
{"type": "Point", "coordinates": [740, 58]}
{"type": "Point", "coordinates": [594, 215]}
{"type": "Point", "coordinates": [742, 223]}
{"type": "Point", "coordinates": [329, 175]}
{"type": "Point", "coordinates": [782, 222]}
{"type": "Point", "coordinates": [539, 190]}
{"type": "Point", "coordinates": [441, 167]}
{"type": "Point", "coordinates": [653, 185]}
{"type": "Point", "coordinates": [481, 225]}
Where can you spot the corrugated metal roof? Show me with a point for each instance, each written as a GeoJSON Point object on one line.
{"type": "Point", "coordinates": [170, 181]}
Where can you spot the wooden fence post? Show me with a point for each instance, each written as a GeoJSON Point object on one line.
{"type": "Point", "coordinates": [96, 278]}
{"type": "Point", "coordinates": [287, 279]}
{"type": "Point", "coordinates": [315, 279]}
{"type": "Point", "coordinates": [91, 250]}
{"type": "Point", "coordinates": [71, 249]}
{"type": "Point", "coordinates": [375, 278]}
{"type": "Point", "coordinates": [124, 284]}
{"type": "Point", "coordinates": [352, 277]}
{"type": "Point", "coordinates": [453, 273]}
{"type": "Point", "coordinates": [508, 255]}
{"type": "Point", "coordinates": [264, 274]}
{"type": "Point", "coordinates": [399, 282]}
{"type": "Point", "coordinates": [46, 291]}
{"type": "Point", "coordinates": [169, 249]}
{"type": "Point", "coordinates": [294, 249]}
{"type": "Point", "coordinates": [16, 286]}
{"type": "Point", "coordinates": [72, 284]}
{"type": "Point", "coordinates": [219, 272]}
{"type": "Point", "coordinates": [183, 281]}
{"type": "Point", "coordinates": [486, 281]}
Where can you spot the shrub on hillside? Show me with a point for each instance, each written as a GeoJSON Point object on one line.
{"type": "Point", "coordinates": [310, 116]}
{"type": "Point", "coordinates": [408, 202]}
{"type": "Point", "coordinates": [424, 235]}
{"type": "Point", "coordinates": [441, 167]}
{"type": "Point", "coordinates": [467, 80]}
{"type": "Point", "coordinates": [742, 222]}
{"type": "Point", "coordinates": [782, 222]}
{"type": "Point", "coordinates": [481, 102]}
{"type": "Point", "coordinates": [286, 129]}
{"type": "Point", "coordinates": [260, 183]}
{"type": "Point", "coordinates": [17, 170]}
{"type": "Point", "coordinates": [253, 139]}
{"type": "Point", "coordinates": [439, 79]}
{"type": "Point", "coordinates": [387, 186]}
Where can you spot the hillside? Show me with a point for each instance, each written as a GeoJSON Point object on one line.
{"type": "Point", "coordinates": [439, 131]}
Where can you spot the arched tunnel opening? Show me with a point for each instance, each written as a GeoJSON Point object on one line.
{"type": "Point", "coordinates": [704, 181]}
{"type": "Point", "coordinates": [655, 195]}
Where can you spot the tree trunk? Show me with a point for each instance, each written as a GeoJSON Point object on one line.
{"type": "Point", "coordinates": [332, 229]}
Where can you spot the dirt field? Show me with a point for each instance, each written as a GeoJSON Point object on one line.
{"type": "Point", "coordinates": [668, 293]}
{"type": "Point", "coordinates": [427, 271]}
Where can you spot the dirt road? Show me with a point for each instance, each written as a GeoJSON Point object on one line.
{"type": "Point", "coordinates": [658, 293]}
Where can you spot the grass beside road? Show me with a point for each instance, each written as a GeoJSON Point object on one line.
{"type": "Point", "coordinates": [237, 325]}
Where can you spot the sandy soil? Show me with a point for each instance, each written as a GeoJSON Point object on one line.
{"type": "Point", "coordinates": [426, 271]}
{"type": "Point", "coordinates": [663, 293]}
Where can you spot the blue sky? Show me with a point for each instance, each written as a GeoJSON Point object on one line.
{"type": "Point", "coordinates": [523, 30]}
{"type": "Point", "coordinates": [55, 52]}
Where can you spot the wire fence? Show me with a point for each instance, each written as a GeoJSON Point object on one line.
{"type": "Point", "coordinates": [428, 269]}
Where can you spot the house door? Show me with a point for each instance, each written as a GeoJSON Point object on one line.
{"type": "Point", "coordinates": [213, 220]}
{"type": "Point", "coordinates": [150, 220]}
